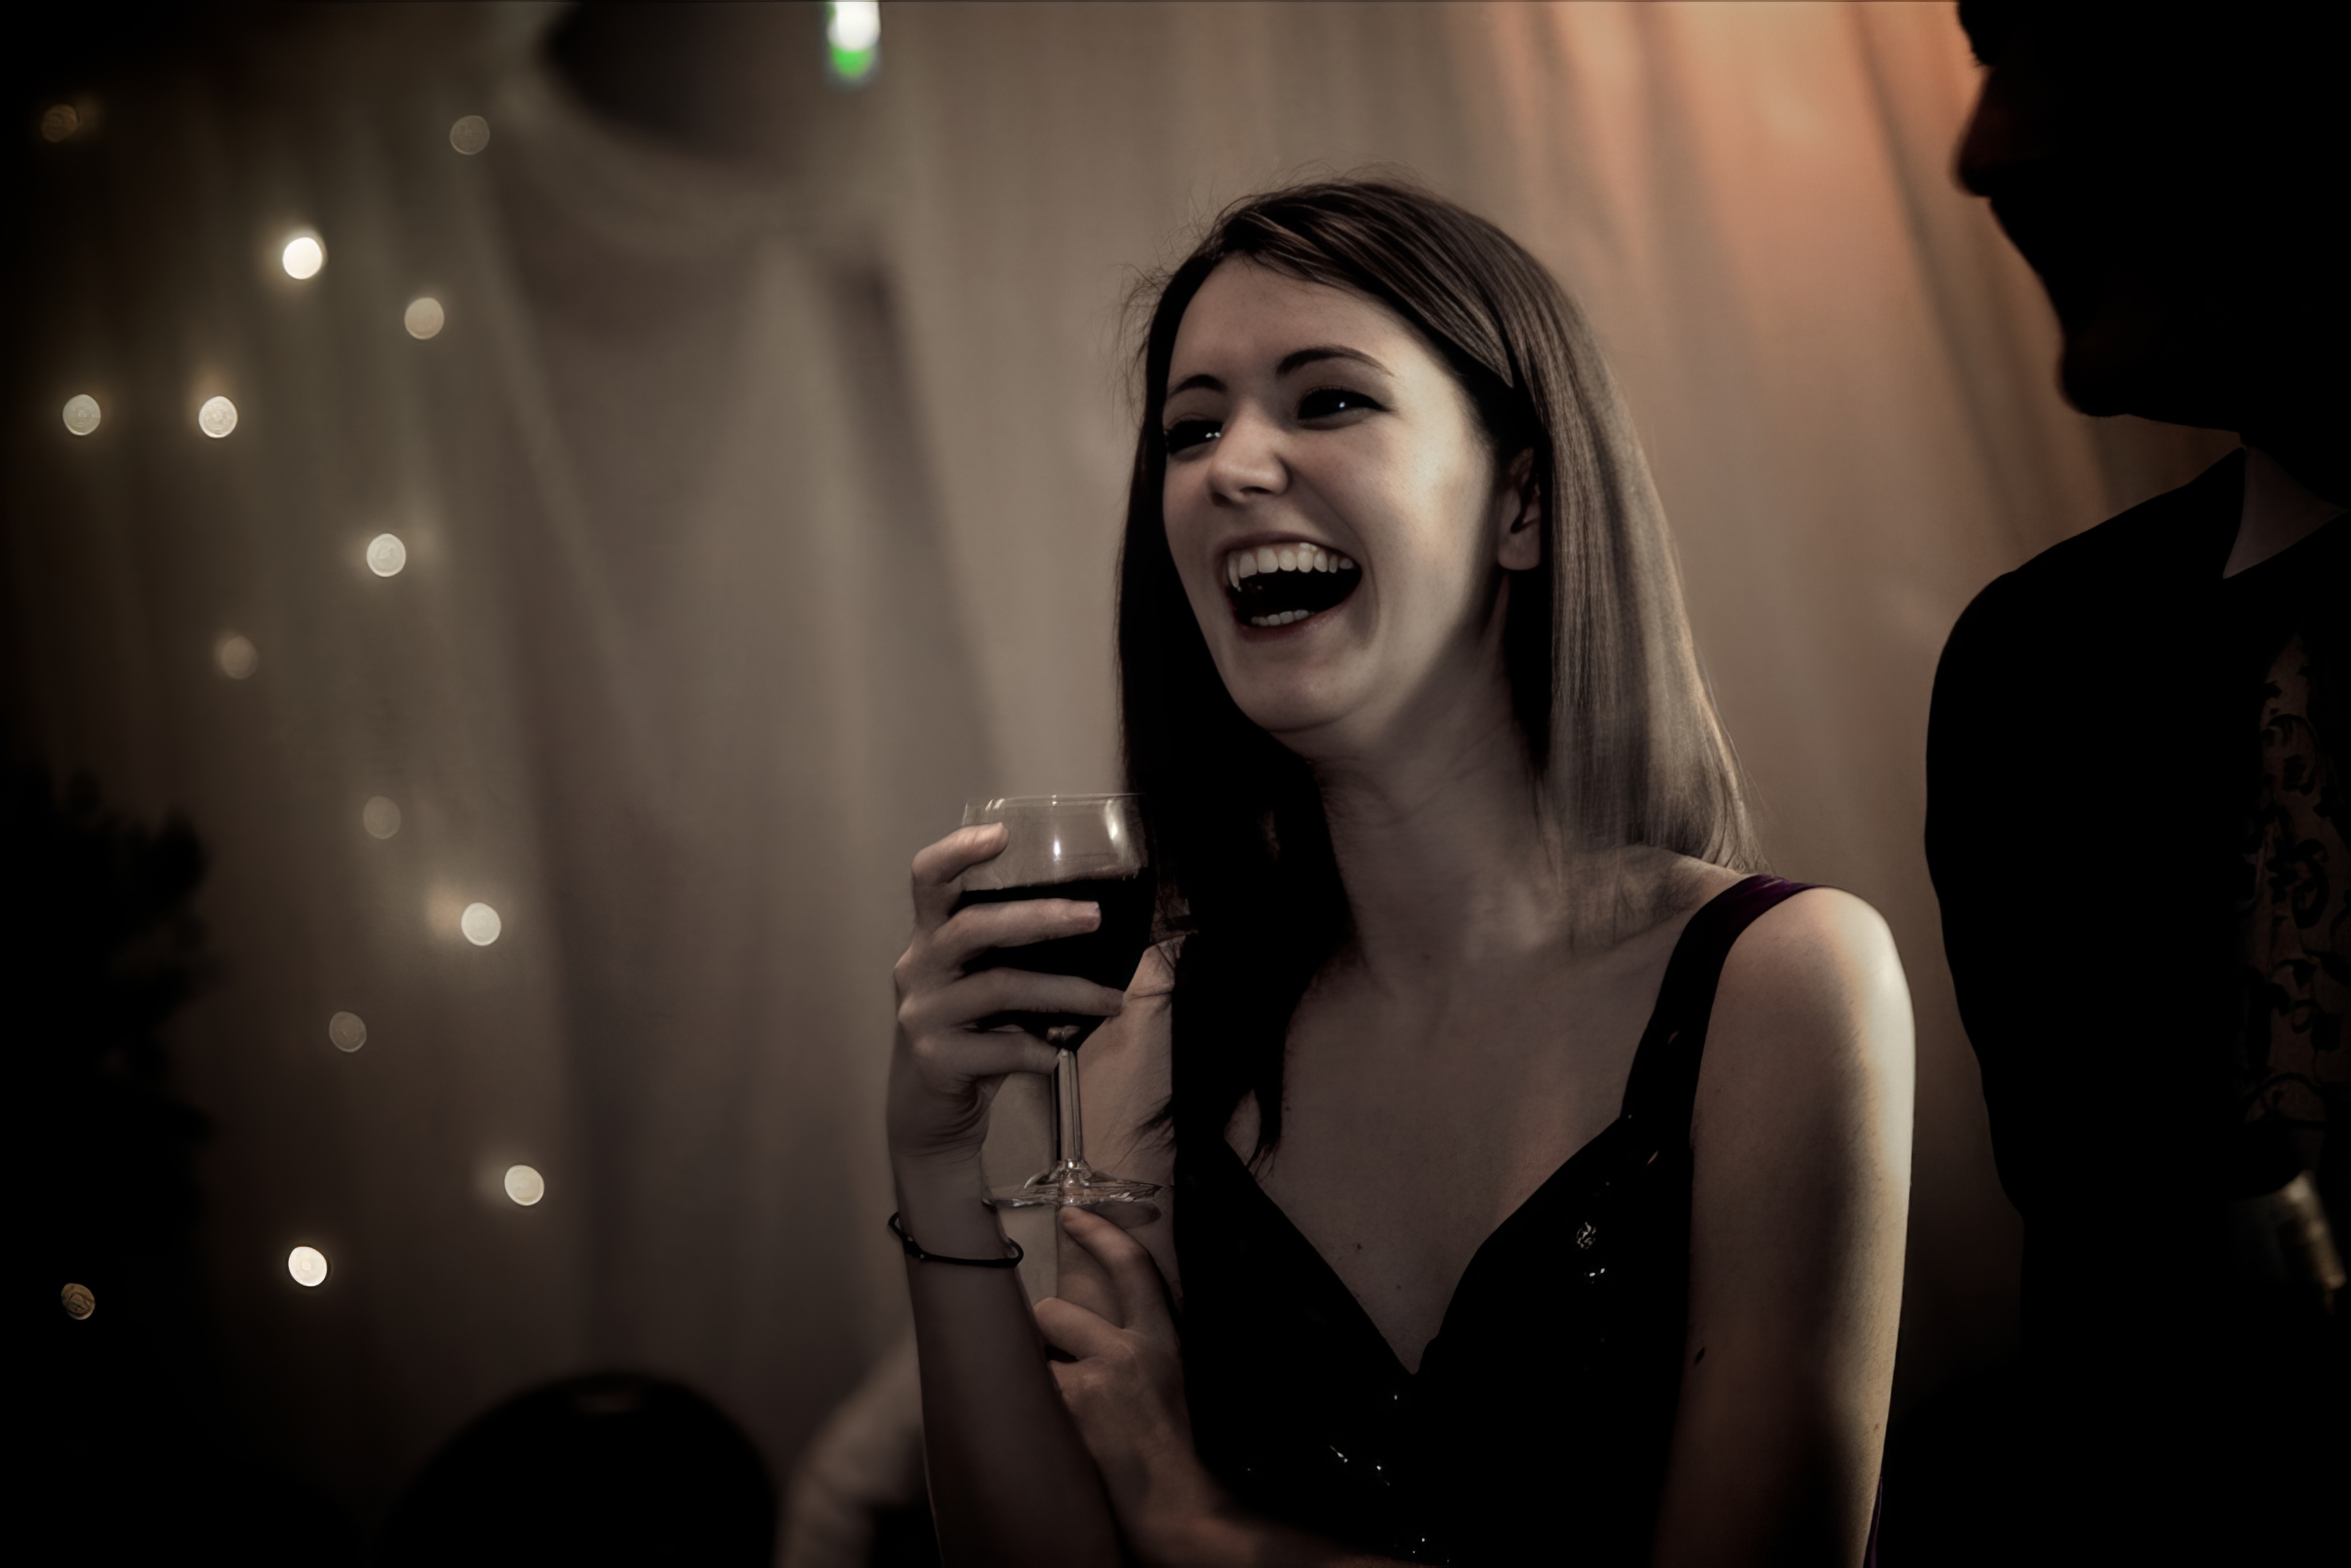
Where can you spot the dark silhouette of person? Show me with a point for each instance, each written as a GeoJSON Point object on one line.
{"type": "Point", "coordinates": [611, 1467]}
{"type": "Point", "coordinates": [2137, 768]}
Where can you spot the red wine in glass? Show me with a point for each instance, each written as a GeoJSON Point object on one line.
{"type": "Point", "coordinates": [1087, 847]}
{"type": "Point", "coordinates": [1107, 954]}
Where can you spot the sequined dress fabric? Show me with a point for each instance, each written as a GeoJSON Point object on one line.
{"type": "Point", "coordinates": [1536, 1430]}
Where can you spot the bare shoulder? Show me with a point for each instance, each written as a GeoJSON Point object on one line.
{"type": "Point", "coordinates": [1812, 1022]}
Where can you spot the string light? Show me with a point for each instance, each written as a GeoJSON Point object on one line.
{"type": "Point", "coordinates": [348, 1032]}
{"type": "Point", "coordinates": [308, 1267]}
{"type": "Point", "coordinates": [237, 656]}
{"type": "Point", "coordinates": [480, 924]}
{"type": "Point", "coordinates": [424, 318]}
{"type": "Point", "coordinates": [217, 417]}
{"type": "Point", "coordinates": [81, 413]}
{"type": "Point", "coordinates": [470, 135]}
{"type": "Point", "coordinates": [524, 1186]}
{"type": "Point", "coordinates": [853, 36]}
{"type": "Point", "coordinates": [303, 257]}
{"type": "Point", "coordinates": [386, 555]}
{"type": "Point", "coordinates": [380, 817]}
{"type": "Point", "coordinates": [79, 1300]}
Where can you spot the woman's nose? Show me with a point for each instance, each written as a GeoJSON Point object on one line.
{"type": "Point", "coordinates": [1246, 462]}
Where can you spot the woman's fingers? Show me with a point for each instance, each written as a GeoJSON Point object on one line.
{"type": "Point", "coordinates": [937, 866]}
{"type": "Point", "coordinates": [1073, 1330]}
{"type": "Point", "coordinates": [959, 1004]}
{"type": "Point", "coordinates": [1021, 923]}
{"type": "Point", "coordinates": [1141, 1292]}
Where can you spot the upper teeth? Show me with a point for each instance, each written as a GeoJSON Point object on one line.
{"type": "Point", "coordinates": [1244, 563]}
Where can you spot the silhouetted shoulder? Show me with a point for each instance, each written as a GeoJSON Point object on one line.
{"type": "Point", "coordinates": [2081, 585]}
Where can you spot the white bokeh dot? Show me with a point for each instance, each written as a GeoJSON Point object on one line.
{"type": "Point", "coordinates": [524, 1186]}
{"type": "Point", "coordinates": [237, 656]}
{"type": "Point", "coordinates": [480, 924]}
{"type": "Point", "coordinates": [470, 135]}
{"type": "Point", "coordinates": [308, 1264]}
{"type": "Point", "coordinates": [81, 413]}
{"type": "Point", "coordinates": [386, 555]}
{"type": "Point", "coordinates": [380, 817]}
{"type": "Point", "coordinates": [347, 1031]}
{"type": "Point", "coordinates": [217, 417]}
{"type": "Point", "coordinates": [59, 121]}
{"type": "Point", "coordinates": [303, 257]}
{"type": "Point", "coordinates": [424, 318]}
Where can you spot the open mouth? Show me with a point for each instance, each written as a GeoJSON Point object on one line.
{"type": "Point", "coordinates": [1275, 585]}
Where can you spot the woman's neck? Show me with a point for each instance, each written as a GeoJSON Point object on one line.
{"type": "Point", "coordinates": [1449, 867]}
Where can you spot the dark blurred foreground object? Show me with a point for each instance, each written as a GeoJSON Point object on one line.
{"type": "Point", "coordinates": [125, 1441]}
{"type": "Point", "coordinates": [2137, 817]}
{"type": "Point", "coordinates": [609, 1468]}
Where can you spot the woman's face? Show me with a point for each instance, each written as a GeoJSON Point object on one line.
{"type": "Point", "coordinates": [1336, 515]}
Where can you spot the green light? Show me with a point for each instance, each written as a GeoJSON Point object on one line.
{"type": "Point", "coordinates": [852, 37]}
{"type": "Point", "coordinates": [853, 65]}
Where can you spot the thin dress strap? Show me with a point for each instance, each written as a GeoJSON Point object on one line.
{"type": "Point", "coordinates": [1662, 1090]}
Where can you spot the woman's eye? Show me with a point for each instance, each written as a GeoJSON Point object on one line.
{"type": "Point", "coordinates": [1186, 433]}
{"type": "Point", "coordinates": [1327, 402]}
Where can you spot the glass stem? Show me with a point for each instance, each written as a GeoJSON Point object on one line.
{"type": "Point", "coordinates": [1068, 1134]}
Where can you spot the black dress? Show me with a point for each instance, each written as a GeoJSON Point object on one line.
{"type": "Point", "coordinates": [1537, 1428]}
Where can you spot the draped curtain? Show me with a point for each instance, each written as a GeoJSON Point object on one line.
{"type": "Point", "coordinates": [757, 512]}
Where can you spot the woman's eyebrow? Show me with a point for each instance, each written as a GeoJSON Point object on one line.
{"type": "Point", "coordinates": [1297, 358]}
{"type": "Point", "coordinates": [1302, 357]}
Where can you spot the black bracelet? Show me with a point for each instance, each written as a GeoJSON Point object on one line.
{"type": "Point", "coordinates": [898, 1229]}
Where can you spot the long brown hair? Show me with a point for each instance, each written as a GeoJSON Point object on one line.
{"type": "Point", "coordinates": [1620, 729]}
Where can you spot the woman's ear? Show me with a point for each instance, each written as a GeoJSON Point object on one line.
{"type": "Point", "coordinates": [1519, 516]}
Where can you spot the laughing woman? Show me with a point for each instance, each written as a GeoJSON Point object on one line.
{"type": "Point", "coordinates": [1536, 1177]}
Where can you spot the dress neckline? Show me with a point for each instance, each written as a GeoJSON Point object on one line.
{"type": "Point", "coordinates": [1657, 1035]}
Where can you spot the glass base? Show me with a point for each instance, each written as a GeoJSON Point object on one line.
{"type": "Point", "coordinates": [1073, 1184]}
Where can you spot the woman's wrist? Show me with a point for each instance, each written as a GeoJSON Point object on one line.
{"type": "Point", "coordinates": [943, 1203]}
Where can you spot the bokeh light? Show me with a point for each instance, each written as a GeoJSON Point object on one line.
{"type": "Point", "coordinates": [308, 1267]}
{"type": "Point", "coordinates": [59, 121]}
{"type": "Point", "coordinates": [347, 1031]}
{"type": "Point", "coordinates": [79, 1300]}
{"type": "Point", "coordinates": [81, 413]}
{"type": "Point", "coordinates": [380, 817]}
{"type": "Point", "coordinates": [217, 417]}
{"type": "Point", "coordinates": [386, 555]}
{"type": "Point", "coordinates": [524, 1186]}
{"type": "Point", "coordinates": [470, 135]}
{"type": "Point", "coordinates": [237, 657]}
{"type": "Point", "coordinates": [853, 36]}
{"type": "Point", "coordinates": [303, 257]}
{"type": "Point", "coordinates": [424, 318]}
{"type": "Point", "coordinates": [480, 924]}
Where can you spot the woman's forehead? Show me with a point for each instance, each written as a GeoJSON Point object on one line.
{"type": "Point", "coordinates": [1246, 313]}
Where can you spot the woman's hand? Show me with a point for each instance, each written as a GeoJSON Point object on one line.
{"type": "Point", "coordinates": [945, 1072]}
{"type": "Point", "coordinates": [1126, 1391]}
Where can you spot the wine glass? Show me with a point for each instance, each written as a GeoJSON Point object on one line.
{"type": "Point", "coordinates": [1087, 847]}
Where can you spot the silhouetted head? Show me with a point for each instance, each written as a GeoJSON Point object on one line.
{"type": "Point", "coordinates": [2180, 175]}
{"type": "Point", "coordinates": [612, 1469]}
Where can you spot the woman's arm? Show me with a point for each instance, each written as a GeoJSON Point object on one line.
{"type": "Point", "coordinates": [1802, 1142]}
{"type": "Point", "coordinates": [1010, 1480]}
